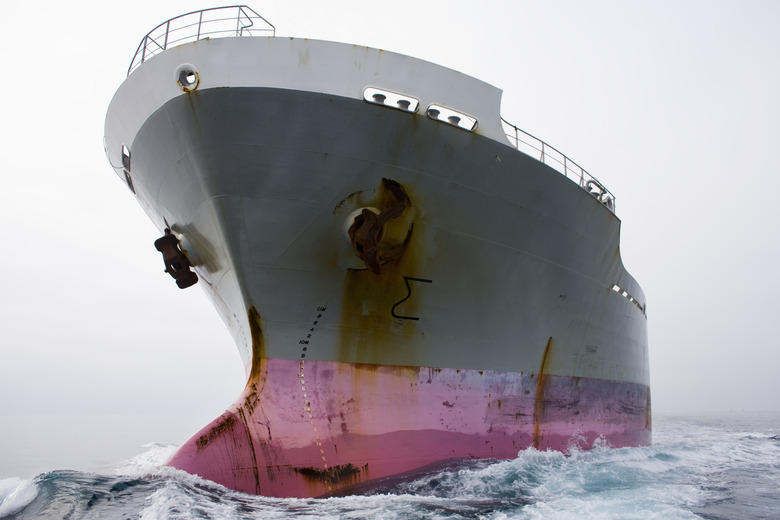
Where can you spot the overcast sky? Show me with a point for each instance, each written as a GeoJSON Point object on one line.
{"type": "Point", "coordinates": [673, 105]}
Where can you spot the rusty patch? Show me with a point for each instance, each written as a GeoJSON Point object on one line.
{"type": "Point", "coordinates": [648, 413]}
{"type": "Point", "coordinates": [348, 198]}
{"type": "Point", "coordinates": [342, 474]}
{"type": "Point", "coordinates": [218, 429]}
{"type": "Point", "coordinates": [258, 350]}
{"type": "Point", "coordinates": [251, 398]}
{"type": "Point", "coordinates": [254, 387]}
{"type": "Point", "coordinates": [367, 230]}
{"type": "Point", "coordinates": [369, 331]}
{"type": "Point", "coordinates": [255, 469]}
{"type": "Point", "coordinates": [539, 402]}
{"type": "Point", "coordinates": [366, 378]}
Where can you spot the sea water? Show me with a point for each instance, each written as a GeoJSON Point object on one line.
{"type": "Point", "coordinates": [724, 466]}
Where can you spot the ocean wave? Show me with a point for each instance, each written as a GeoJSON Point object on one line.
{"type": "Point", "coordinates": [695, 469]}
{"type": "Point", "coordinates": [15, 495]}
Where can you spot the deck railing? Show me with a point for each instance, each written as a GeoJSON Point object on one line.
{"type": "Point", "coordinates": [538, 149]}
{"type": "Point", "coordinates": [218, 22]}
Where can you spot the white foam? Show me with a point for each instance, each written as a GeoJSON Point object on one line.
{"type": "Point", "coordinates": [672, 479]}
{"type": "Point", "coordinates": [15, 495]}
{"type": "Point", "coordinates": [148, 462]}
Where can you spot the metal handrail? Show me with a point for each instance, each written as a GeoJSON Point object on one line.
{"type": "Point", "coordinates": [543, 152]}
{"type": "Point", "coordinates": [216, 22]}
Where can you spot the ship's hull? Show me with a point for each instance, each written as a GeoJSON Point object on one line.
{"type": "Point", "coordinates": [490, 325]}
{"type": "Point", "coordinates": [318, 427]}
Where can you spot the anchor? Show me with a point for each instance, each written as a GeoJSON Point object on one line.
{"type": "Point", "coordinates": [368, 227]}
{"type": "Point", "coordinates": [176, 264]}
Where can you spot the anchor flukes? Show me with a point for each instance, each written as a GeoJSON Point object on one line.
{"type": "Point", "coordinates": [176, 263]}
{"type": "Point", "coordinates": [367, 230]}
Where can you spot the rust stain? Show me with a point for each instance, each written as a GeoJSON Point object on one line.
{"type": "Point", "coordinates": [341, 475]}
{"type": "Point", "coordinates": [539, 401]}
{"type": "Point", "coordinates": [253, 390]}
{"type": "Point", "coordinates": [245, 411]}
{"type": "Point", "coordinates": [369, 228]}
{"type": "Point", "coordinates": [369, 379]}
{"type": "Point", "coordinates": [255, 469]}
{"type": "Point", "coordinates": [648, 413]}
{"type": "Point", "coordinates": [259, 362]}
{"type": "Point", "coordinates": [369, 333]}
{"type": "Point", "coordinates": [369, 330]}
{"type": "Point", "coordinates": [348, 200]}
{"type": "Point", "coordinates": [227, 424]}
{"type": "Point", "coordinates": [251, 398]}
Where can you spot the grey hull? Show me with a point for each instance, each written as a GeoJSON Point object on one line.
{"type": "Point", "coordinates": [487, 312]}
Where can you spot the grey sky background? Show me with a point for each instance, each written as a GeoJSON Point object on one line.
{"type": "Point", "coordinates": [673, 105]}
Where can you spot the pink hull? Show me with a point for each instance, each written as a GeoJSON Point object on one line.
{"type": "Point", "coordinates": [315, 428]}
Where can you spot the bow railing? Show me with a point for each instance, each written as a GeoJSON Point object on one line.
{"type": "Point", "coordinates": [218, 22]}
{"type": "Point", "coordinates": [538, 149]}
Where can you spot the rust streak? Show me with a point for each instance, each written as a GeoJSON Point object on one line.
{"type": "Point", "coordinates": [255, 469]}
{"type": "Point", "coordinates": [648, 413]}
{"type": "Point", "coordinates": [254, 386]}
{"type": "Point", "coordinates": [227, 423]}
{"type": "Point", "coordinates": [251, 398]}
{"type": "Point", "coordinates": [342, 474]}
{"type": "Point", "coordinates": [539, 401]}
{"type": "Point", "coordinates": [258, 351]}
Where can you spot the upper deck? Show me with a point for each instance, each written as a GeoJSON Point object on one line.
{"type": "Point", "coordinates": [392, 80]}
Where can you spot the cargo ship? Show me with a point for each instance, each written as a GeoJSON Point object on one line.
{"type": "Point", "coordinates": [408, 277]}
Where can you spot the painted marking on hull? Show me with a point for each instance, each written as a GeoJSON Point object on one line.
{"type": "Point", "coordinates": [308, 472]}
{"type": "Point", "coordinates": [408, 295]}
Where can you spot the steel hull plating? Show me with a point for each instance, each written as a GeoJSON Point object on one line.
{"type": "Point", "coordinates": [491, 325]}
{"type": "Point", "coordinates": [314, 428]}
